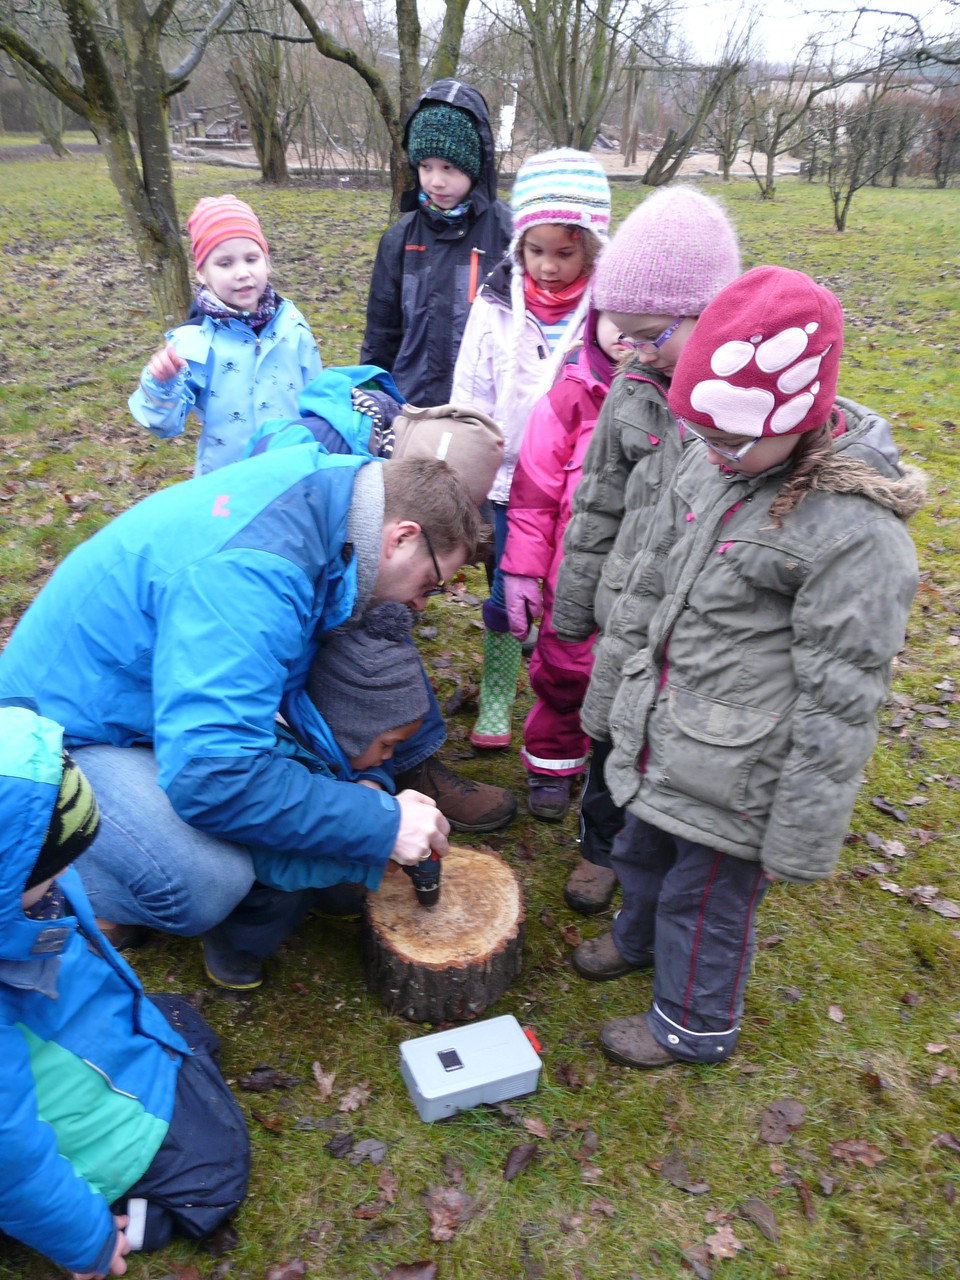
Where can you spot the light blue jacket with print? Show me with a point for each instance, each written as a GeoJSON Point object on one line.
{"type": "Point", "coordinates": [235, 381]}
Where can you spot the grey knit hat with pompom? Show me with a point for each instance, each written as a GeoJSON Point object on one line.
{"type": "Point", "coordinates": [367, 678]}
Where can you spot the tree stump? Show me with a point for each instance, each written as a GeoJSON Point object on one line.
{"type": "Point", "coordinates": [450, 962]}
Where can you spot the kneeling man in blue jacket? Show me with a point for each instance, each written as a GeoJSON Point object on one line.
{"type": "Point", "coordinates": [167, 643]}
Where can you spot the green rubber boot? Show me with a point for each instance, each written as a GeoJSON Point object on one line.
{"type": "Point", "coordinates": [498, 689]}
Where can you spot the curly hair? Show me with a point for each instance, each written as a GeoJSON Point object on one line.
{"type": "Point", "coordinates": [812, 451]}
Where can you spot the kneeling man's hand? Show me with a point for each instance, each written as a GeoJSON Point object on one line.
{"type": "Point", "coordinates": [423, 829]}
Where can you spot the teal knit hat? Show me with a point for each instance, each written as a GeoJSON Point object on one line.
{"type": "Point", "coordinates": [447, 133]}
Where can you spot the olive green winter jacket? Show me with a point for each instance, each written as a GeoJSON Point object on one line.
{"type": "Point", "coordinates": [748, 705]}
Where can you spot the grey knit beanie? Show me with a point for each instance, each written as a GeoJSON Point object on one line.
{"type": "Point", "coordinates": [448, 134]}
{"type": "Point", "coordinates": [367, 678]}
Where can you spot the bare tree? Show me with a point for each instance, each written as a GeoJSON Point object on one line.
{"type": "Point", "coordinates": [120, 86]}
{"type": "Point", "coordinates": [577, 50]}
{"type": "Point", "coordinates": [408, 43]}
{"type": "Point", "coordinates": [676, 146]}
{"type": "Point", "coordinates": [943, 135]}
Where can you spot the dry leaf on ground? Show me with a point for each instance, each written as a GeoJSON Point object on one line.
{"type": "Point", "coordinates": [447, 1209]}
{"type": "Point", "coordinates": [571, 935]}
{"type": "Point", "coordinates": [412, 1271]}
{"type": "Point", "coordinates": [324, 1081]}
{"type": "Point", "coordinates": [780, 1119]}
{"type": "Point", "coordinates": [354, 1098]}
{"type": "Point", "coordinates": [806, 1199]}
{"type": "Point", "coordinates": [291, 1270]}
{"type": "Point", "coordinates": [387, 1185]}
{"type": "Point", "coordinates": [835, 1013]}
{"type": "Point", "coordinates": [723, 1243]}
{"type": "Point", "coordinates": [762, 1216]}
{"type": "Point", "coordinates": [518, 1158]}
{"type": "Point", "coordinates": [534, 1125]}
{"type": "Point", "coordinates": [263, 1078]}
{"type": "Point", "coordinates": [854, 1151]}
{"type": "Point", "coordinates": [602, 1208]}
{"type": "Point", "coordinates": [673, 1168]}
{"type": "Point", "coordinates": [371, 1149]}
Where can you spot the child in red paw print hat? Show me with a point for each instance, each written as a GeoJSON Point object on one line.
{"type": "Point", "coordinates": [764, 613]}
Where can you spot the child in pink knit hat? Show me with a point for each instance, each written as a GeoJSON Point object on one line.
{"type": "Point", "coordinates": [671, 255]}
{"type": "Point", "coordinates": [244, 353]}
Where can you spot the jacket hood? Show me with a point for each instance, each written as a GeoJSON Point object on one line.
{"type": "Point", "coordinates": [866, 462]}
{"type": "Point", "coordinates": [457, 94]}
{"type": "Point", "coordinates": [30, 772]}
{"type": "Point", "coordinates": [497, 283]}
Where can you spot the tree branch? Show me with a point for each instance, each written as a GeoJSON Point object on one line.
{"type": "Point", "coordinates": [46, 73]}
{"type": "Point", "coordinates": [178, 75]}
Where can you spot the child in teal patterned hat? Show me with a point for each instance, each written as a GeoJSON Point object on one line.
{"type": "Point", "coordinates": [431, 263]}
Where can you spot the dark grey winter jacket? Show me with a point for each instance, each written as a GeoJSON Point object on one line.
{"type": "Point", "coordinates": [419, 292]}
{"type": "Point", "coordinates": [748, 706]}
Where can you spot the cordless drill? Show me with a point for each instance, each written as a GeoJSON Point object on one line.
{"type": "Point", "coordinates": [426, 879]}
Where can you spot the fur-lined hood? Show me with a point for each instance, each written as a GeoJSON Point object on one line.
{"type": "Point", "coordinates": [904, 496]}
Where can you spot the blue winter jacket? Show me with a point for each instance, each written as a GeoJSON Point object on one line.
{"type": "Point", "coordinates": [235, 381]}
{"type": "Point", "coordinates": [185, 622]}
{"type": "Point", "coordinates": [88, 1066]}
{"type": "Point", "coordinates": [326, 414]}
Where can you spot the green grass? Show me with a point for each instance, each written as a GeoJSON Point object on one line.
{"type": "Point", "coordinates": [79, 327]}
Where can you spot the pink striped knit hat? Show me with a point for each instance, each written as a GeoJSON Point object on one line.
{"type": "Point", "coordinates": [218, 218]}
{"type": "Point", "coordinates": [563, 187]}
{"type": "Point", "coordinates": [673, 253]}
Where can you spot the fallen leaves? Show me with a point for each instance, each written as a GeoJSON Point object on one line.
{"type": "Point", "coordinates": [447, 1208]}
{"type": "Point", "coordinates": [324, 1081]}
{"type": "Point", "coordinates": [518, 1158]}
{"type": "Point", "coordinates": [264, 1078]}
{"type": "Point", "coordinates": [292, 1270]}
{"type": "Point", "coordinates": [673, 1169]}
{"type": "Point", "coordinates": [762, 1216]}
{"type": "Point", "coordinates": [854, 1151]}
{"type": "Point", "coordinates": [354, 1098]}
{"type": "Point", "coordinates": [781, 1118]}
{"type": "Point", "coordinates": [412, 1271]}
{"type": "Point", "coordinates": [723, 1243]}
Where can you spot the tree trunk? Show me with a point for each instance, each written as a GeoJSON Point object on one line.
{"type": "Point", "coordinates": [258, 98]}
{"type": "Point", "coordinates": [449, 962]}
{"type": "Point", "coordinates": [447, 56]}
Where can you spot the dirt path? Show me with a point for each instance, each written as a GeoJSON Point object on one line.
{"type": "Point", "coordinates": [40, 151]}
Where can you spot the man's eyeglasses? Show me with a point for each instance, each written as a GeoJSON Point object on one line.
{"type": "Point", "coordinates": [650, 345]}
{"type": "Point", "coordinates": [439, 588]}
{"type": "Point", "coordinates": [732, 455]}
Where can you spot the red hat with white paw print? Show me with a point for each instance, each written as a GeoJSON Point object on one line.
{"type": "Point", "coordinates": [763, 358]}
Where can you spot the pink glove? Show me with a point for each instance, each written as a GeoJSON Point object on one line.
{"type": "Point", "coordinates": [524, 602]}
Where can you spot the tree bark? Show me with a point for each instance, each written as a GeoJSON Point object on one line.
{"type": "Point", "coordinates": [259, 97]}
{"type": "Point", "coordinates": [447, 55]}
{"type": "Point", "coordinates": [450, 962]}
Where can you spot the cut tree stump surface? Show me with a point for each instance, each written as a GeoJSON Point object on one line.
{"type": "Point", "coordinates": [450, 962]}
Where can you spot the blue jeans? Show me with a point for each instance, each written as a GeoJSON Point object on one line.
{"type": "Point", "coordinates": [495, 608]}
{"type": "Point", "coordinates": [146, 865]}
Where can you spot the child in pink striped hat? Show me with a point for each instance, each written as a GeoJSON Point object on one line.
{"type": "Point", "coordinates": [523, 322]}
{"type": "Point", "coordinates": [244, 353]}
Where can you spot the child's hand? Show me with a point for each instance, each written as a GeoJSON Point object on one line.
{"type": "Point", "coordinates": [165, 364]}
{"type": "Point", "coordinates": [121, 1248]}
{"type": "Point", "coordinates": [524, 601]}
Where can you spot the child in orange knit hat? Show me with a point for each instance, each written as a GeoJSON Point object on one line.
{"type": "Point", "coordinates": [244, 353]}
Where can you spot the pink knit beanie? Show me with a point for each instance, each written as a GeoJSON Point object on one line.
{"type": "Point", "coordinates": [669, 258]}
{"type": "Point", "coordinates": [218, 218]}
{"type": "Point", "coordinates": [763, 358]}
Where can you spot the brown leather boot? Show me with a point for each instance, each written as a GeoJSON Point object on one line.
{"type": "Point", "coordinates": [598, 960]}
{"type": "Point", "coordinates": [466, 805]}
{"type": "Point", "coordinates": [629, 1042]}
{"type": "Point", "coordinates": [590, 888]}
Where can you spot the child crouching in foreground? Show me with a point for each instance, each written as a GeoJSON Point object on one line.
{"type": "Point", "coordinates": [113, 1133]}
{"type": "Point", "coordinates": [243, 355]}
{"type": "Point", "coordinates": [784, 576]}
{"type": "Point", "coordinates": [365, 694]}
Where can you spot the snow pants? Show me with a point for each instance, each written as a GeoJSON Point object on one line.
{"type": "Point", "coordinates": [693, 908]}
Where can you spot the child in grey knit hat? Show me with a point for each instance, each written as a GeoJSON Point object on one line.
{"type": "Point", "coordinates": [365, 692]}
{"type": "Point", "coordinates": [367, 683]}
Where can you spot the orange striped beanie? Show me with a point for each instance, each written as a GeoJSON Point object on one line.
{"type": "Point", "coordinates": [218, 218]}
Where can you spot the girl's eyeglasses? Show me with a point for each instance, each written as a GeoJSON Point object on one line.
{"type": "Point", "coordinates": [439, 588]}
{"type": "Point", "coordinates": [732, 455]}
{"type": "Point", "coordinates": [650, 345]}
